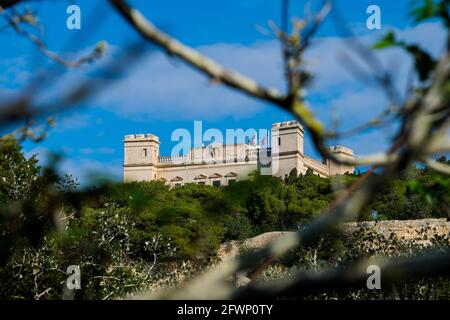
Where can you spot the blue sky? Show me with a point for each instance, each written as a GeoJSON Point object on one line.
{"type": "Point", "coordinates": [159, 95]}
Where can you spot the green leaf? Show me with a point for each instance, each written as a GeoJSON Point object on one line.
{"type": "Point", "coordinates": [387, 41]}
{"type": "Point", "coordinates": [424, 63]}
{"type": "Point", "coordinates": [428, 10]}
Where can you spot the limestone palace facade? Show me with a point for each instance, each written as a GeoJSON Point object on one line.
{"type": "Point", "coordinates": [222, 164]}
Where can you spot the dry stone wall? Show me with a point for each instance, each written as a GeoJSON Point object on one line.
{"type": "Point", "coordinates": [406, 229]}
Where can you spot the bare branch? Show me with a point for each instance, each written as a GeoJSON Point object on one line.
{"type": "Point", "coordinates": [25, 107]}
{"type": "Point", "coordinates": [96, 54]}
{"type": "Point", "coordinates": [318, 20]}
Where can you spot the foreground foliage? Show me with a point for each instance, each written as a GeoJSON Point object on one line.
{"type": "Point", "coordinates": [126, 237]}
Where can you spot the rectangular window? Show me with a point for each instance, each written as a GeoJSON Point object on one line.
{"type": "Point", "coordinates": [279, 141]}
{"type": "Point", "coordinates": [231, 182]}
{"type": "Point", "coordinates": [177, 184]}
{"type": "Point", "coordinates": [216, 183]}
{"type": "Point", "coordinates": [145, 152]}
{"type": "Point", "coordinates": [201, 182]}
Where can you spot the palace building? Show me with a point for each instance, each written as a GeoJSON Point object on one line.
{"type": "Point", "coordinates": [222, 164]}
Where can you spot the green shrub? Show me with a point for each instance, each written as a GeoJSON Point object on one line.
{"type": "Point", "coordinates": [237, 227]}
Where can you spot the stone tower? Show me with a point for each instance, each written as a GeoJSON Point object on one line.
{"type": "Point", "coordinates": [141, 154]}
{"type": "Point", "coordinates": [342, 152]}
{"type": "Point", "coordinates": [287, 148]}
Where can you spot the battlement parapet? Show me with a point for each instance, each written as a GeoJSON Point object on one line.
{"type": "Point", "coordinates": [141, 137]}
{"type": "Point", "coordinates": [287, 125]}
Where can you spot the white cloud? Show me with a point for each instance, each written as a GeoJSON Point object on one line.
{"type": "Point", "coordinates": [161, 88]}
{"type": "Point", "coordinates": [14, 71]}
{"type": "Point", "coordinates": [354, 101]}
{"type": "Point", "coordinates": [66, 149]}
{"type": "Point", "coordinates": [88, 171]}
{"type": "Point", "coordinates": [101, 150]}
{"type": "Point", "coordinates": [73, 121]}
{"type": "Point", "coordinates": [105, 150]}
{"type": "Point", "coordinates": [41, 154]}
{"type": "Point", "coordinates": [86, 151]}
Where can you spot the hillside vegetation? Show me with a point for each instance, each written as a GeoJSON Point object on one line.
{"type": "Point", "coordinates": [128, 236]}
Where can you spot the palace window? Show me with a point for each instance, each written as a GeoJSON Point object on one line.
{"type": "Point", "coordinates": [216, 183]}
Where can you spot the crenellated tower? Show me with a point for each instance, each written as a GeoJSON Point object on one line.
{"type": "Point", "coordinates": [287, 148]}
{"type": "Point", "coordinates": [141, 154]}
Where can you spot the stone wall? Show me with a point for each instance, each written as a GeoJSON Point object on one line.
{"type": "Point", "coordinates": [407, 229]}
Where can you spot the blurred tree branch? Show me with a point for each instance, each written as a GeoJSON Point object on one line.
{"type": "Point", "coordinates": [24, 107]}
{"type": "Point", "coordinates": [354, 276]}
